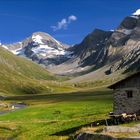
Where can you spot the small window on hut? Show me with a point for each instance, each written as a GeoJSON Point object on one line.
{"type": "Point", "coordinates": [129, 93]}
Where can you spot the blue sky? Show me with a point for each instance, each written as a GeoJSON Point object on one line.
{"type": "Point", "coordinates": [20, 18]}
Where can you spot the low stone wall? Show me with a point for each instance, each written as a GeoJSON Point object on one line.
{"type": "Point", "coordinates": [95, 136]}
{"type": "Point", "coordinates": [120, 129]}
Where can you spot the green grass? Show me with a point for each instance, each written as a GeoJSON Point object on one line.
{"type": "Point", "coordinates": [22, 76]}
{"type": "Point", "coordinates": [52, 116]}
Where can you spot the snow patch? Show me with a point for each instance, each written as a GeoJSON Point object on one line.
{"type": "Point", "coordinates": [37, 39]}
{"type": "Point", "coordinates": [137, 13]}
{"type": "Point", "coordinates": [46, 51]}
{"type": "Point", "coordinates": [5, 47]}
{"type": "Point", "coordinates": [18, 51]}
{"type": "Point", "coordinates": [82, 68]}
{"type": "Point", "coordinates": [136, 17]}
{"type": "Point", "coordinates": [112, 30]}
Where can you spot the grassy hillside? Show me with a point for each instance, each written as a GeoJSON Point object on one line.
{"type": "Point", "coordinates": [48, 116]}
{"type": "Point", "coordinates": [19, 75]}
{"type": "Point", "coordinates": [55, 117]}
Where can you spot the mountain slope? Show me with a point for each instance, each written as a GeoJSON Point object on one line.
{"type": "Point", "coordinates": [21, 76]}
{"type": "Point", "coordinates": [91, 52]}
{"type": "Point", "coordinates": [124, 45]}
{"type": "Point", "coordinates": [92, 49]}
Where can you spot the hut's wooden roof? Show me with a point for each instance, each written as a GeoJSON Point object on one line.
{"type": "Point", "coordinates": [113, 86]}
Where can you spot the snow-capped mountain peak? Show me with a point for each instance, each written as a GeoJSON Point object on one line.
{"type": "Point", "coordinates": [137, 13]}
{"type": "Point", "coordinates": [42, 48]}
{"type": "Point", "coordinates": [42, 38]}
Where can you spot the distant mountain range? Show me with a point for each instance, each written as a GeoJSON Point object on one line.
{"type": "Point", "coordinates": [115, 50]}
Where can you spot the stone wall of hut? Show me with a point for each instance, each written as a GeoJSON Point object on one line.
{"type": "Point", "coordinates": [123, 104]}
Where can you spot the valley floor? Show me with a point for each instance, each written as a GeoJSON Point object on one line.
{"type": "Point", "coordinates": [54, 116]}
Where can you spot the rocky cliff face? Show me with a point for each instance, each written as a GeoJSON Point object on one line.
{"type": "Point", "coordinates": [119, 49]}
{"type": "Point", "coordinates": [124, 45]}
{"type": "Point", "coordinates": [92, 50]}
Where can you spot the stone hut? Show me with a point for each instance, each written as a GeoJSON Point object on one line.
{"type": "Point", "coordinates": [127, 95]}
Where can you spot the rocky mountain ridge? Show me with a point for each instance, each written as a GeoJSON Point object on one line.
{"type": "Point", "coordinates": [119, 49]}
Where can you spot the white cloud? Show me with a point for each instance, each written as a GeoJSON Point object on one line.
{"type": "Point", "coordinates": [72, 18]}
{"type": "Point", "coordinates": [63, 24]}
{"type": "Point", "coordinates": [60, 25]}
